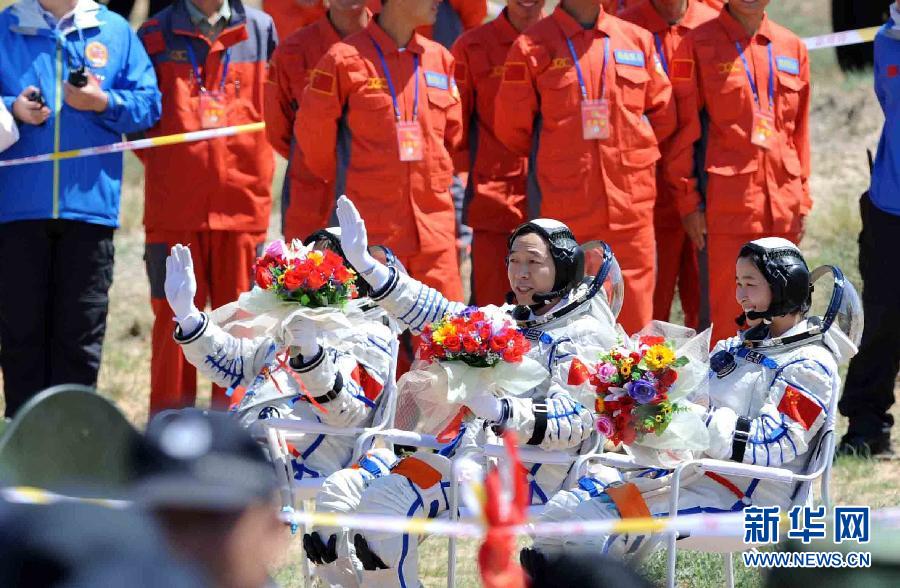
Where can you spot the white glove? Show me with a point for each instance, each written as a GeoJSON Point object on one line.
{"type": "Point", "coordinates": [355, 243]}
{"type": "Point", "coordinates": [486, 406]}
{"type": "Point", "coordinates": [302, 333]}
{"type": "Point", "coordinates": [181, 287]}
{"type": "Point", "coordinates": [568, 423]}
{"type": "Point", "coordinates": [895, 15]}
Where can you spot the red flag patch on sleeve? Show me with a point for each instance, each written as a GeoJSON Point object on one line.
{"type": "Point", "coordinates": [800, 407]}
{"type": "Point", "coordinates": [578, 373]}
{"type": "Point", "coordinates": [893, 71]}
{"type": "Point", "coordinates": [322, 82]}
{"type": "Point", "coordinates": [683, 69]}
{"type": "Point", "coordinates": [370, 386]}
{"type": "Point", "coordinates": [514, 72]}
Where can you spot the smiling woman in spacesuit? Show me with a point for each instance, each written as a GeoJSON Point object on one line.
{"type": "Point", "coordinates": [770, 393]}
{"type": "Point", "coordinates": [558, 310]}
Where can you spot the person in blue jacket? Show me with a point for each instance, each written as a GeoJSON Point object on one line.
{"type": "Point", "coordinates": [869, 390]}
{"type": "Point", "coordinates": [74, 75]}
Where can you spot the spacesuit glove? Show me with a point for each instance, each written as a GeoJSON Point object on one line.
{"type": "Point", "coordinates": [355, 244]}
{"type": "Point", "coordinates": [568, 423]}
{"type": "Point", "coordinates": [302, 334]}
{"type": "Point", "coordinates": [486, 406]}
{"type": "Point", "coordinates": [181, 287]}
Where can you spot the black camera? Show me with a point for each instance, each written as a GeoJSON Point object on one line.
{"type": "Point", "coordinates": [37, 96]}
{"type": "Point", "coordinates": [78, 77]}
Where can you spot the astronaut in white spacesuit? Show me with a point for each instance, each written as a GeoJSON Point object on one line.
{"type": "Point", "coordinates": [344, 372]}
{"type": "Point", "coordinates": [560, 312]}
{"type": "Point", "coordinates": [770, 392]}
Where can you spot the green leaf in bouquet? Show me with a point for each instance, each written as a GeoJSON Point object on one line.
{"type": "Point", "coordinates": [304, 299]}
{"type": "Point", "coordinates": [681, 361]}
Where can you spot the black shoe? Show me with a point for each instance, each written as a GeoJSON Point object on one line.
{"type": "Point", "coordinates": [857, 445]}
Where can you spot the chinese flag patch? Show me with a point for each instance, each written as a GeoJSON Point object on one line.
{"type": "Point", "coordinates": [322, 82]}
{"type": "Point", "coordinates": [682, 69]}
{"type": "Point", "coordinates": [514, 72]}
{"type": "Point", "coordinates": [578, 373]}
{"type": "Point", "coordinates": [370, 386]}
{"type": "Point", "coordinates": [800, 407]}
{"type": "Point", "coordinates": [893, 71]}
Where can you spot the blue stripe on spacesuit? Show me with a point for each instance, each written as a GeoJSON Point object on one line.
{"type": "Point", "coordinates": [380, 344]}
{"type": "Point", "coordinates": [451, 447]}
{"type": "Point", "coordinates": [415, 506]}
{"type": "Point", "coordinates": [415, 304]}
{"type": "Point", "coordinates": [425, 302]}
{"type": "Point", "coordinates": [534, 488]}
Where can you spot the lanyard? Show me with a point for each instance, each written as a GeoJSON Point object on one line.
{"type": "Point", "coordinates": [661, 53]}
{"type": "Point", "coordinates": [387, 76]}
{"type": "Point", "coordinates": [753, 81]}
{"type": "Point", "coordinates": [584, 92]}
{"type": "Point", "coordinates": [193, 57]}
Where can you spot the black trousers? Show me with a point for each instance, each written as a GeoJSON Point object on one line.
{"type": "Point", "coordinates": [869, 390]}
{"type": "Point", "coordinates": [54, 295]}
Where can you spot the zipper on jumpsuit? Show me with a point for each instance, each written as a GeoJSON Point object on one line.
{"type": "Point", "coordinates": [57, 115]}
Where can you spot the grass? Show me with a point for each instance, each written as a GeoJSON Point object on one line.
{"type": "Point", "coordinates": [845, 121]}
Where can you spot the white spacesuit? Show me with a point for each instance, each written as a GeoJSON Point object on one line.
{"type": "Point", "coordinates": [548, 417]}
{"type": "Point", "coordinates": [768, 400]}
{"type": "Point", "coordinates": [344, 372]}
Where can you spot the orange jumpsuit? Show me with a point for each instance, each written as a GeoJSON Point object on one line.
{"type": "Point", "coordinates": [602, 189]}
{"type": "Point", "coordinates": [214, 195]}
{"type": "Point", "coordinates": [676, 262]}
{"type": "Point", "coordinates": [290, 16]}
{"type": "Point", "coordinates": [406, 204]}
{"type": "Point", "coordinates": [307, 200]}
{"type": "Point", "coordinates": [497, 177]}
{"type": "Point", "coordinates": [747, 191]}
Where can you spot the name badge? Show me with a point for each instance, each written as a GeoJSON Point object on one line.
{"type": "Point", "coordinates": [763, 134]}
{"type": "Point", "coordinates": [595, 120]}
{"type": "Point", "coordinates": [410, 141]}
{"type": "Point", "coordinates": [212, 109]}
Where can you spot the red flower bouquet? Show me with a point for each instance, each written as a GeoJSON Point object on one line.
{"type": "Point", "coordinates": [473, 339]}
{"type": "Point", "coordinates": [295, 273]}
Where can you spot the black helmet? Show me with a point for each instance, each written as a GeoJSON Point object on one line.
{"type": "Point", "coordinates": [568, 256]}
{"type": "Point", "coordinates": [784, 268]}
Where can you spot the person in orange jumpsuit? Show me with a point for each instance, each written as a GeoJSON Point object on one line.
{"type": "Point", "coordinates": [454, 17]}
{"type": "Point", "coordinates": [292, 15]}
{"type": "Point", "coordinates": [214, 194]}
{"type": "Point", "coordinates": [742, 89]}
{"type": "Point", "coordinates": [395, 93]}
{"type": "Point", "coordinates": [676, 262]}
{"type": "Point", "coordinates": [590, 91]}
{"type": "Point", "coordinates": [497, 177]}
{"type": "Point", "coordinates": [307, 200]}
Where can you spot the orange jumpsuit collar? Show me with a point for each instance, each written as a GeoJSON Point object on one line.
{"type": "Point", "coordinates": [571, 27]}
{"type": "Point", "coordinates": [693, 17]}
{"type": "Point", "coordinates": [735, 29]}
{"type": "Point", "coordinates": [506, 32]}
{"type": "Point", "coordinates": [388, 45]}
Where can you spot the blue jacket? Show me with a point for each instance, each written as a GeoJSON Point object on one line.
{"type": "Point", "coordinates": [32, 53]}
{"type": "Point", "coordinates": [885, 189]}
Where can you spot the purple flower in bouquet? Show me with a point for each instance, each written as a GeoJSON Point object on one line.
{"type": "Point", "coordinates": [642, 391]}
{"type": "Point", "coordinates": [605, 372]}
{"type": "Point", "coordinates": [605, 426]}
{"type": "Point", "coordinates": [275, 249]}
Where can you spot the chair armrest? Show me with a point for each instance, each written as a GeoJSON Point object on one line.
{"type": "Point", "coordinates": [297, 426]}
{"type": "Point", "coordinates": [531, 455]}
{"type": "Point", "coordinates": [731, 468]}
{"type": "Point", "coordinates": [404, 438]}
